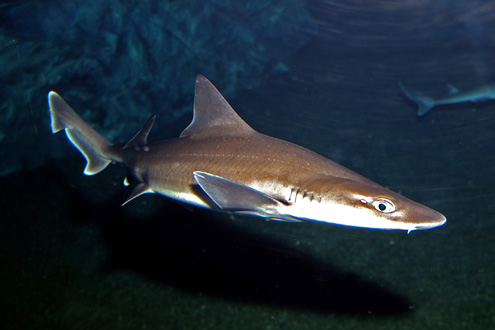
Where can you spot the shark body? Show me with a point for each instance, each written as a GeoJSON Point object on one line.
{"type": "Point", "coordinates": [425, 103]}
{"type": "Point", "coordinates": [220, 162]}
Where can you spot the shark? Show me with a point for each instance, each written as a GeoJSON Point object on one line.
{"type": "Point", "coordinates": [219, 162]}
{"type": "Point", "coordinates": [425, 104]}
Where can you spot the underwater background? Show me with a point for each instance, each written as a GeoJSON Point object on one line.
{"type": "Point", "coordinates": [322, 74]}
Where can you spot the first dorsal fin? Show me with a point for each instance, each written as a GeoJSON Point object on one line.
{"type": "Point", "coordinates": [141, 138]}
{"type": "Point", "coordinates": [452, 89]}
{"type": "Point", "coordinates": [212, 114]}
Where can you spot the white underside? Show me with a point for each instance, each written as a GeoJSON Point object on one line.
{"type": "Point", "coordinates": [304, 209]}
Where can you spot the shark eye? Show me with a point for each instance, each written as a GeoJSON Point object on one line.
{"type": "Point", "coordinates": [383, 205]}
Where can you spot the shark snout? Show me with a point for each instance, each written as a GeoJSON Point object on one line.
{"type": "Point", "coordinates": [418, 216]}
{"type": "Point", "coordinates": [434, 219]}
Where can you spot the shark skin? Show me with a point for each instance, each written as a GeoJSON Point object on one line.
{"type": "Point", "coordinates": [425, 103]}
{"type": "Point", "coordinates": [219, 162]}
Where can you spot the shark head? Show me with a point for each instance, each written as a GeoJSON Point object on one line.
{"type": "Point", "coordinates": [359, 204]}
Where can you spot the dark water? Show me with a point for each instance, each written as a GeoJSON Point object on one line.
{"type": "Point", "coordinates": [72, 258]}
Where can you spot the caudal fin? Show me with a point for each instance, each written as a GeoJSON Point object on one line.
{"type": "Point", "coordinates": [93, 146]}
{"type": "Point", "coordinates": [424, 103]}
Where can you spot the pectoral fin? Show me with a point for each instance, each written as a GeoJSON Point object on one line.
{"type": "Point", "coordinates": [230, 195]}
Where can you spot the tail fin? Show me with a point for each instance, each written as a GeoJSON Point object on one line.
{"type": "Point", "coordinates": [424, 103]}
{"type": "Point", "coordinates": [93, 146]}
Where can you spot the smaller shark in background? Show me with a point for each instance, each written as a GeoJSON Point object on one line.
{"type": "Point", "coordinates": [425, 103]}
{"type": "Point", "coordinates": [219, 162]}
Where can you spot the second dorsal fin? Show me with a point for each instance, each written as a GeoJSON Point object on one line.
{"type": "Point", "coordinates": [212, 114]}
{"type": "Point", "coordinates": [140, 139]}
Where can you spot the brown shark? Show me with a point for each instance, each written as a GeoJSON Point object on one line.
{"type": "Point", "coordinates": [220, 162]}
